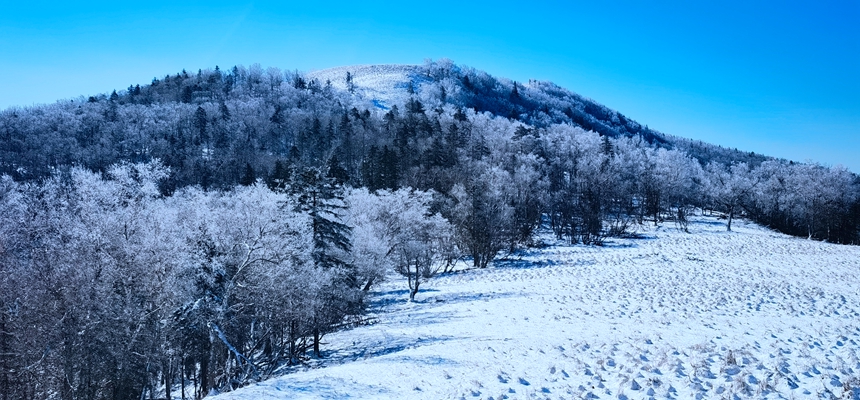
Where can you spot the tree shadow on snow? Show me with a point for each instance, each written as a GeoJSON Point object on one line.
{"type": "Point", "coordinates": [464, 297]}
{"type": "Point", "coordinates": [539, 263]}
{"type": "Point", "coordinates": [391, 345]}
{"type": "Point", "coordinates": [510, 263]}
{"type": "Point", "coordinates": [383, 299]}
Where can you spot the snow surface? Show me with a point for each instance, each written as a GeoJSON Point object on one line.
{"type": "Point", "coordinates": [383, 85]}
{"type": "Point", "coordinates": [706, 314]}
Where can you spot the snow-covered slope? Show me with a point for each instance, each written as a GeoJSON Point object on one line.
{"type": "Point", "coordinates": [383, 85]}
{"type": "Point", "coordinates": [706, 314]}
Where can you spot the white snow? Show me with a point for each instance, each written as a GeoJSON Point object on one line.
{"type": "Point", "coordinates": [384, 85]}
{"type": "Point", "coordinates": [706, 314]}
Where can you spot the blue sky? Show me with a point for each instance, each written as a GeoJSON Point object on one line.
{"type": "Point", "coordinates": [779, 78]}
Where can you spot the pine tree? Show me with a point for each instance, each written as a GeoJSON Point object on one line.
{"type": "Point", "coordinates": [322, 199]}
{"type": "Point", "coordinates": [277, 118]}
{"type": "Point", "coordinates": [280, 176]}
{"type": "Point", "coordinates": [200, 122]}
{"type": "Point", "coordinates": [350, 86]}
{"type": "Point", "coordinates": [225, 112]}
{"type": "Point", "coordinates": [248, 177]}
{"type": "Point", "coordinates": [389, 170]}
{"type": "Point", "coordinates": [607, 147]}
{"type": "Point", "coordinates": [337, 172]}
{"type": "Point", "coordinates": [515, 93]}
{"type": "Point", "coordinates": [370, 170]}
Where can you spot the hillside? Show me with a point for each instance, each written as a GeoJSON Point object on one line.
{"type": "Point", "coordinates": [254, 116]}
{"type": "Point", "coordinates": [214, 229]}
{"type": "Point", "coordinates": [705, 314]}
{"type": "Point", "coordinates": [425, 126]}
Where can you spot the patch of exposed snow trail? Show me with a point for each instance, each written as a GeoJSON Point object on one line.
{"type": "Point", "coordinates": [709, 314]}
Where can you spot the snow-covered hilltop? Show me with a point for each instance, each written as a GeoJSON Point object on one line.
{"type": "Point", "coordinates": [706, 314]}
{"type": "Point", "coordinates": [384, 85]}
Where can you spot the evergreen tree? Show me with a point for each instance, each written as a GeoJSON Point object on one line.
{"type": "Point", "coordinates": [248, 177]}
{"type": "Point", "coordinates": [370, 174]}
{"type": "Point", "coordinates": [337, 172]}
{"type": "Point", "coordinates": [277, 118]}
{"type": "Point", "coordinates": [515, 93]}
{"type": "Point", "coordinates": [322, 198]}
{"type": "Point", "coordinates": [225, 112]}
{"type": "Point", "coordinates": [187, 94]}
{"type": "Point", "coordinates": [200, 123]}
{"type": "Point", "coordinates": [350, 86]}
{"type": "Point", "coordinates": [280, 176]}
{"type": "Point", "coordinates": [389, 169]}
{"type": "Point", "coordinates": [347, 145]}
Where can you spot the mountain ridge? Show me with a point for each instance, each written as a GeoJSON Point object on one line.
{"type": "Point", "coordinates": [542, 102]}
{"type": "Point", "coordinates": [371, 84]}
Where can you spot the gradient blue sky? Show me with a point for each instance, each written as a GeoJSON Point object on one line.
{"type": "Point", "coordinates": [779, 78]}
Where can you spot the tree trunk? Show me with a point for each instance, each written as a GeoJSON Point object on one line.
{"type": "Point", "coordinates": [292, 340]}
{"type": "Point", "coordinates": [195, 381]}
{"type": "Point", "coordinates": [146, 384]}
{"type": "Point", "coordinates": [204, 374]}
{"type": "Point", "coordinates": [413, 292]}
{"type": "Point", "coordinates": [167, 375]}
{"type": "Point", "coordinates": [731, 215]}
{"type": "Point", "coordinates": [317, 342]}
{"type": "Point", "coordinates": [182, 379]}
{"type": "Point", "coordinates": [414, 285]}
{"type": "Point", "coordinates": [367, 286]}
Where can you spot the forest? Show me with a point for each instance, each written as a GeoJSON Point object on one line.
{"type": "Point", "coordinates": [207, 230]}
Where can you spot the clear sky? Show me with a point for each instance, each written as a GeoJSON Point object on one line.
{"type": "Point", "coordinates": [780, 78]}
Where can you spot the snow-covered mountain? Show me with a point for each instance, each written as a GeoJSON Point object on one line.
{"type": "Point", "coordinates": [706, 314]}
{"type": "Point", "coordinates": [211, 230]}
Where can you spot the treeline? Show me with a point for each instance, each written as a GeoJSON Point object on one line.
{"type": "Point", "coordinates": [202, 231]}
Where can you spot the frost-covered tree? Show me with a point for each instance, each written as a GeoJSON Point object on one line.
{"type": "Point", "coordinates": [730, 187]}
{"type": "Point", "coordinates": [820, 198]}
{"type": "Point", "coordinates": [482, 213]}
{"type": "Point", "coordinates": [396, 230]}
{"type": "Point", "coordinates": [139, 293]}
{"type": "Point", "coordinates": [321, 196]}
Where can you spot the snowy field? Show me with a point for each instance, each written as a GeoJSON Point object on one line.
{"type": "Point", "coordinates": [710, 314]}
